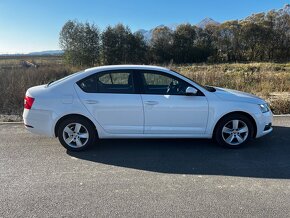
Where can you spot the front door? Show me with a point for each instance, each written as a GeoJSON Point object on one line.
{"type": "Point", "coordinates": [167, 109]}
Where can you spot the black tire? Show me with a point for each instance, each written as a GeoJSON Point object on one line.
{"type": "Point", "coordinates": [230, 137]}
{"type": "Point", "coordinates": [82, 139]}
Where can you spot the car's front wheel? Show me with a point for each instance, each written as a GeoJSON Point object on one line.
{"type": "Point", "coordinates": [76, 134]}
{"type": "Point", "coordinates": [234, 130]}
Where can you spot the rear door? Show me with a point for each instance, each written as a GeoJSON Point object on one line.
{"type": "Point", "coordinates": [111, 98]}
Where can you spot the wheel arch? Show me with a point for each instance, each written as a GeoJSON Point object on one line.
{"type": "Point", "coordinates": [249, 116]}
{"type": "Point", "coordinates": [72, 116]}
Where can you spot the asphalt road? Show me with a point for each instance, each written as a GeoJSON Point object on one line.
{"type": "Point", "coordinates": [144, 178]}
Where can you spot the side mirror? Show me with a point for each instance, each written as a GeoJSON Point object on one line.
{"type": "Point", "coordinates": [190, 91]}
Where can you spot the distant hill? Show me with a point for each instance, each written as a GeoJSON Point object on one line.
{"type": "Point", "coordinates": [38, 53]}
{"type": "Point", "coordinates": [286, 9]}
{"type": "Point", "coordinates": [202, 24]}
{"type": "Point", "coordinates": [207, 21]}
{"type": "Point", "coordinates": [49, 52]}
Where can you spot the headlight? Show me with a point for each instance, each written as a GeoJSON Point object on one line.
{"type": "Point", "coordinates": [264, 107]}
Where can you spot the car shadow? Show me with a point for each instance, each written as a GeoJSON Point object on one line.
{"type": "Point", "coordinates": [266, 157]}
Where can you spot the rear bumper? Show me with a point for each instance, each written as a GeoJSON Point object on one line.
{"type": "Point", "coordinates": [264, 122]}
{"type": "Point", "coordinates": [39, 122]}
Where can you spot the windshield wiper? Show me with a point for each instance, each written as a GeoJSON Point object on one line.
{"type": "Point", "coordinates": [210, 88]}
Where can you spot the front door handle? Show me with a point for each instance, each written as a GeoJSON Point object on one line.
{"type": "Point", "coordinates": [151, 102]}
{"type": "Point", "coordinates": [91, 101]}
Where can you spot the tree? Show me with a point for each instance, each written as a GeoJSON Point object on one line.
{"type": "Point", "coordinates": [228, 41]}
{"type": "Point", "coordinates": [138, 49]}
{"type": "Point", "coordinates": [259, 37]}
{"type": "Point", "coordinates": [161, 45]}
{"type": "Point", "coordinates": [254, 37]}
{"type": "Point", "coordinates": [109, 49]}
{"type": "Point", "coordinates": [183, 44]}
{"type": "Point", "coordinates": [80, 43]}
{"type": "Point", "coordinates": [121, 46]}
{"type": "Point", "coordinates": [281, 32]}
{"type": "Point", "coordinates": [206, 44]}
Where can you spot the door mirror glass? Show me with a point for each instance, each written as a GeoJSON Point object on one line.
{"type": "Point", "coordinates": [191, 91]}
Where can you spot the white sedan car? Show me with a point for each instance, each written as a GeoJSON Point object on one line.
{"type": "Point", "coordinates": [132, 101]}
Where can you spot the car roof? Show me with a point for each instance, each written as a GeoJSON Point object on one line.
{"type": "Point", "coordinates": [117, 67]}
{"type": "Point", "coordinates": [82, 74]}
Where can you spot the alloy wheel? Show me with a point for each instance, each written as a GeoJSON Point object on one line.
{"type": "Point", "coordinates": [75, 135]}
{"type": "Point", "coordinates": [235, 132]}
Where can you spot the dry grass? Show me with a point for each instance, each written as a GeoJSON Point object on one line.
{"type": "Point", "coordinates": [15, 82]}
{"type": "Point", "coordinates": [280, 106]}
{"type": "Point", "coordinates": [41, 60]}
{"type": "Point", "coordinates": [256, 78]}
{"type": "Point", "coordinates": [268, 80]}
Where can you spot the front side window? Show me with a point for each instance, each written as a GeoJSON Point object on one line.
{"type": "Point", "coordinates": [108, 82]}
{"type": "Point", "coordinates": [158, 83]}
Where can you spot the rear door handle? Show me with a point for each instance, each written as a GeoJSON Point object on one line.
{"type": "Point", "coordinates": [151, 102]}
{"type": "Point", "coordinates": [91, 101]}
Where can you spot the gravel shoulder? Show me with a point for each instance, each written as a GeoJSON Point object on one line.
{"type": "Point", "coordinates": [10, 118]}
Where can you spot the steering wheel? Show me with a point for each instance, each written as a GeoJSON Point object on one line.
{"type": "Point", "coordinates": [173, 88]}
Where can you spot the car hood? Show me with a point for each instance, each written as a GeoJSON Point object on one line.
{"type": "Point", "coordinates": [234, 95]}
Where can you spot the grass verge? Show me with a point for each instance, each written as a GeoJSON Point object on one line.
{"type": "Point", "coordinates": [270, 81]}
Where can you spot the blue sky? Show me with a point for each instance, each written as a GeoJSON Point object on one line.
{"type": "Point", "coordinates": [34, 25]}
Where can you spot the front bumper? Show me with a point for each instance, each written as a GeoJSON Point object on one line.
{"type": "Point", "coordinates": [264, 124]}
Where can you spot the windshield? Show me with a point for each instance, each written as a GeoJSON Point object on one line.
{"type": "Point", "coordinates": [208, 88]}
{"type": "Point", "coordinates": [62, 79]}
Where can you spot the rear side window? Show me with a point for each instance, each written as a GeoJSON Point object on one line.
{"type": "Point", "coordinates": [108, 82]}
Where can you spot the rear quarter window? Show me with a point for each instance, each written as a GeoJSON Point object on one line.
{"type": "Point", "coordinates": [52, 83]}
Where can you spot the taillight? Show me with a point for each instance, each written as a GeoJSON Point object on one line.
{"type": "Point", "coordinates": [28, 101]}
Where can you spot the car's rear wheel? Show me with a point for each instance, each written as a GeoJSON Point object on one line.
{"type": "Point", "coordinates": [76, 134]}
{"type": "Point", "coordinates": [234, 130]}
